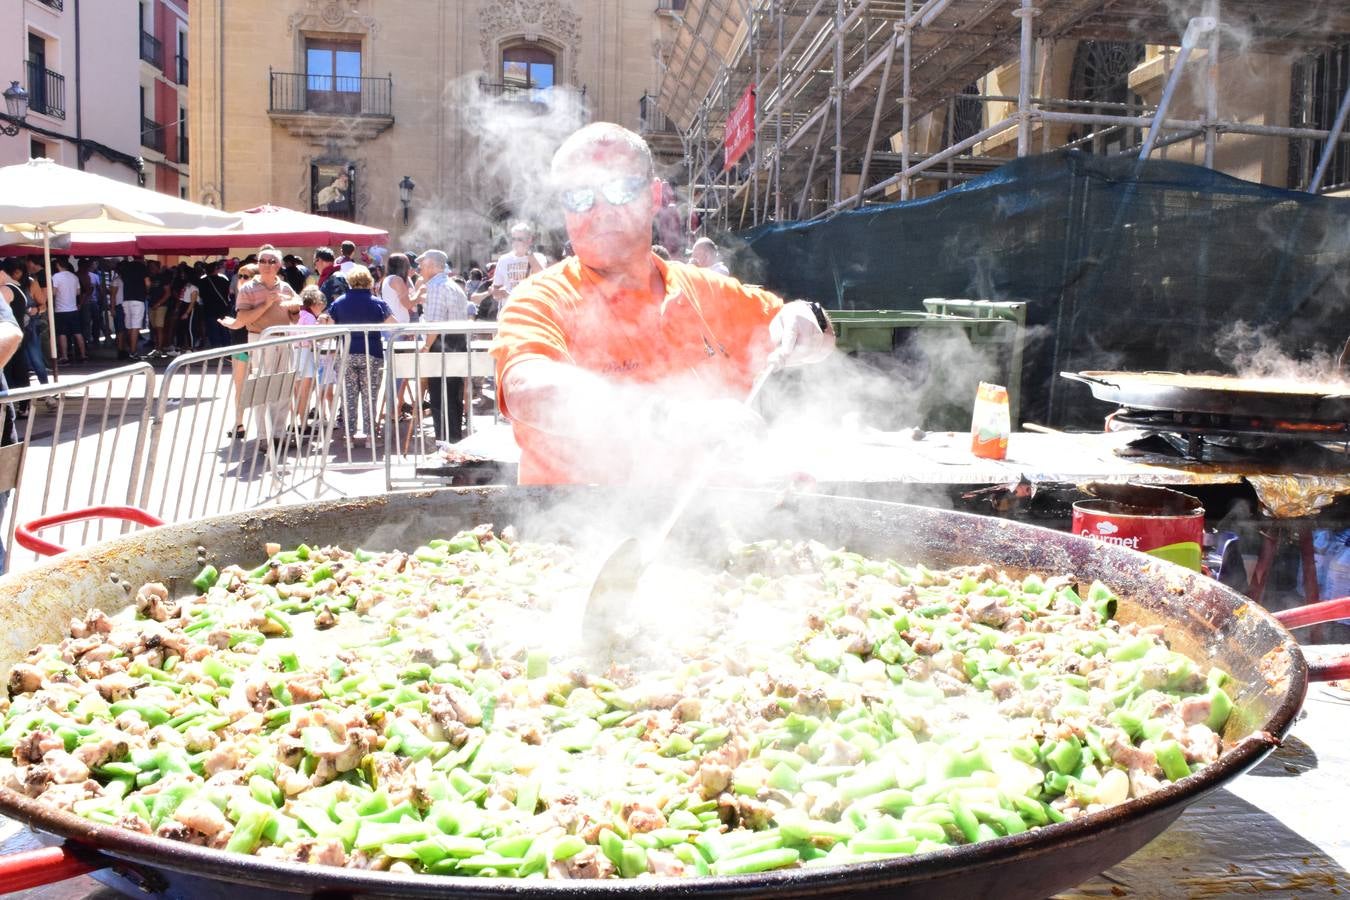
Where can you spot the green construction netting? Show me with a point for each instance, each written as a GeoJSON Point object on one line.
{"type": "Point", "coordinates": [1122, 265]}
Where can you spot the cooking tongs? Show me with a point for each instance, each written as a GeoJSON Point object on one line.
{"type": "Point", "coordinates": [608, 630]}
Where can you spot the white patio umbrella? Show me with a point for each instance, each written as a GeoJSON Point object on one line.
{"type": "Point", "coordinates": [40, 197]}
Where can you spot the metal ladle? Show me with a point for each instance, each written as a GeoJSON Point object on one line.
{"type": "Point", "coordinates": [602, 623]}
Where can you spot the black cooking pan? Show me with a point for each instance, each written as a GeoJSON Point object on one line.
{"type": "Point", "coordinates": [1203, 618]}
{"type": "Point", "coordinates": [1225, 395]}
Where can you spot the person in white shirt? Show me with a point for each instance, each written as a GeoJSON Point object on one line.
{"type": "Point", "coordinates": [705, 255]}
{"type": "Point", "coordinates": [66, 297]}
{"type": "Point", "coordinates": [517, 265]}
{"type": "Point", "coordinates": [395, 290]}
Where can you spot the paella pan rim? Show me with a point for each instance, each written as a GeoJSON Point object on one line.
{"type": "Point", "coordinates": [138, 850]}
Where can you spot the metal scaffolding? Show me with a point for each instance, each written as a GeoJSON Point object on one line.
{"type": "Point", "coordinates": [837, 82]}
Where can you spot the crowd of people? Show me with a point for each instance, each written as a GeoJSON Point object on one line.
{"type": "Point", "coordinates": [143, 309]}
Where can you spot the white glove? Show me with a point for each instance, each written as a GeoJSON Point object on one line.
{"type": "Point", "coordinates": [799, 338]}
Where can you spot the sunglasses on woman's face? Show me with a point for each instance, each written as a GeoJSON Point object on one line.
{"type": "Point", "coordinates": [619, 192]}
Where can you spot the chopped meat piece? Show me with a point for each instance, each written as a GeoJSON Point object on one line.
{"type": "Point", "coordinates": [1201, 744]}
{"type": "Point", "coordinates": [65, 796]}
{"type": "Point", "coordinates": [224, 757]}
{"type": "Point", "coordinates": [290, 573]}
{"type": "Point", "coordinates": [642, 817]}
{"type": "Point", "coordinates": [450, 703]}
{"type": "Point", "coordinates": [1142, 783]}
{"type": "Point", "coordinates": [152, 601]}
{"type": "Point", "coordinates": [1001, 688]}
{"type": "Point", "coordinates": [305, 688]}
{"type": "Point", "coordinates": [989, 611]}
{"type": "Point", "coordinates": [95, 621]}
{"type": "Point", "coordinates": [65, 768]}
{"type": "Point", "coordinates": [713, 779]}
{"type": "Point", "coordinates": [133, 822]}
{"type": "Point", "coordinates": [24, 679]}
{"type": "Point", "coordinates": [33, 780]}
{"type": "Point", "coordinates": [1195, 710]}
{"type": "Point", "coordinates": [98, 752]}
{"type": "Point", "coordinates": [202, 816]}
{"type": "Point", "coordinates": [1124, 753]}
{"type": "Point", "coordinates": [589, 863]}
{"type": "Point", "coordinates": [324, 619]}
{"type": "Point", "coordinates": [117, 686]}
{"type": "Point", "coordinates": [664, 864]}
{"type": "Point", "coordinates": [35, 745]}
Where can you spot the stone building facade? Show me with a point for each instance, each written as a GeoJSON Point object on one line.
{"type": "Point", "coordinates": [78, 60]}
{"type": "Point", "coordinates": [331, 105]}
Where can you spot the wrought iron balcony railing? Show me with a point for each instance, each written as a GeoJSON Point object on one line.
{"type": "Point", "coordinates": [152, 51]}
{"type": "Point", "coordinates": [152, 134]}
{"type": "Point", "coordinates": [46, 91]}
{"type": "Point", "coordinates": [336, 95]}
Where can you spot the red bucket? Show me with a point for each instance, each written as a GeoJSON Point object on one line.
{"type": "Point", "coordinates": [1167, 524]}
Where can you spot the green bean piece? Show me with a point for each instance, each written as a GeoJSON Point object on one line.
{"type": "Point", "coordinates": [249, 831]}
{"type": "Point", "coordinates": [756, 862]}
{"type": "Point", "coordinates": [1172, 760]}
{"type": "Point", "coordinates": [206, 578]}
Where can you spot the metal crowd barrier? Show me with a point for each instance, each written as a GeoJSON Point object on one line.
{"type": "Point", "coordinates": [74, 445]}
{"type": "Point", "coordinates": [294, 416]}
{"type": "Point", "coordinates": [409, 393]}
{"type": "Point", "coordinates": [242, 426]}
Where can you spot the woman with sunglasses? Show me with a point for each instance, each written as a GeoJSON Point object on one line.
{"type": "Point", "coordinates": [618, 366]}
{"type": "Point", "coordinates": [265, 301]}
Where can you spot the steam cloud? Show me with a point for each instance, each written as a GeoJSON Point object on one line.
{"type": "Point", "coordinates": [1256, 353]}
{"type": "Point", "coordinates": [510, 143]}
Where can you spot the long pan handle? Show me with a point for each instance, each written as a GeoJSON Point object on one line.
{"type": "Point", "coordinates": [25, 533]}
{"type": "Point", "coordinates": [1086, 379]}
{"type": "Point", "coordinates": [1316, 614]}
{"type": "Point", "coordinates": [34, 868]}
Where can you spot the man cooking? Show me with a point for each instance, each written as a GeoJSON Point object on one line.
{"type": "Point", "coordinates": [616, 366]}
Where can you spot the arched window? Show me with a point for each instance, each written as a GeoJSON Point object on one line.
{"type": "Point", "coordinates": [1101, 74]}
{"type": "Point", "coordinates": [527, 66]}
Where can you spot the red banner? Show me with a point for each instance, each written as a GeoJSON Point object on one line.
{"type": "Point", "coordinates": [740, 129]}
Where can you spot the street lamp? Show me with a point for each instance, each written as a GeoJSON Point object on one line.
{"type": "Point", "coordinates": [405, 189]}
{"type": "Point", "coordinates": [16, 104]}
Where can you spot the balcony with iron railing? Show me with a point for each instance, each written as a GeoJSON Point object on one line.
{"type": "Point", "coordinates": [181, 69]}
{"type": "Point", "coordinates": [46, 91]}
{"type": "Point", "coordinates": [57, 5]}
{"type": "Point", "coordinates": [650, 118]}
{"type": "Point", "coordinates": [152, 134]}
{"type": "Point", "coordinates": [152, 50]}
{"type": "Point", "coordinates": [310, 104]}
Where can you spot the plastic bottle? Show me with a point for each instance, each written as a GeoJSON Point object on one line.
{"type": "Point", "coordinates": [991, 422]}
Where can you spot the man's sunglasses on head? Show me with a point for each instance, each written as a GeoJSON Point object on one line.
{"type": "Point", "coordinates": [619, 192]}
